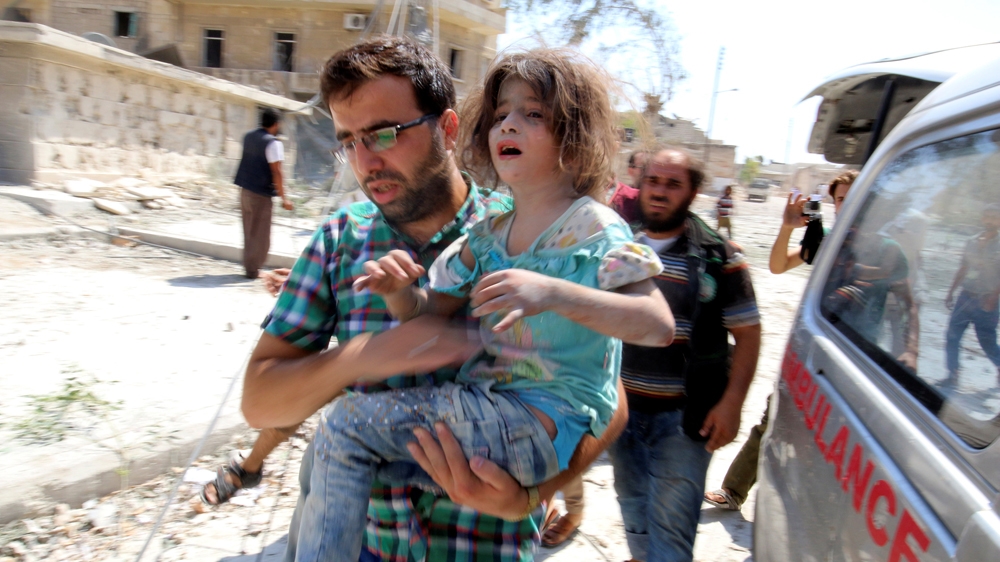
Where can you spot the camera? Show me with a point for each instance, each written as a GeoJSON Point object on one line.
{"type": "Point", "coordinates": [812, 208]}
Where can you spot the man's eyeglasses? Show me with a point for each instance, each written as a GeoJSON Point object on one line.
{"type": "Point", "coordinates": [378, 140]}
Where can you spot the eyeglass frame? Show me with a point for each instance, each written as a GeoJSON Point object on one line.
{"type": "Point", "coordinates": [341, 153]}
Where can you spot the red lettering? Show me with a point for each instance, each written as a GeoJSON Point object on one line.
{"type": "Point", "coordinates": [880, 489]}
{"type": "Point", "coordinates": [900, 548]}
{"type": "Point", "coordinates": [811, 418]}
{"type": "Point", "coordinates": [820, 444]}
{"type": "Point", "coordinates": [835, 452]}
{"type": "Point", "coordinates": [860, 480]}
{"type": "Point", "coordinates": [805, 384]}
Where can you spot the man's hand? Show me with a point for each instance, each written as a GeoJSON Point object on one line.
{"type": "Point", "coordinates": [421, 345]}
{"type": "Point", "coordinates": [949, 301]}
{"type": "Point", "coordinates": [479, 484]}
{"type": "Point", "coordinates": [517, 292]}
{"type": "Point", "coordinates": [286, 204]}
{"type": "Point", "coordinates": [273, 280]}
{"type": "Point", "coordinates": [909, 360]}
{"type": "Point", "coordinates": [793, 216]}
{"type": "Point", "coordinates": [391, 273]}
{"type": "Point", "coordinates": [721, 424]}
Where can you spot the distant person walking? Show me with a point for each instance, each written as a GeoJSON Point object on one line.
{"type": "Point", "coordinates": [979, 281]}
{"type": "Point", "coordinates": [260, 178]}
{"type": "Point", "coordinates": [724, 211]}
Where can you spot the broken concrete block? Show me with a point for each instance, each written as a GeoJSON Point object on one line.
{"type": "Point", "coordinates": [147, 192]}
{"type": "Point", "coordinates": [150, 204]}
{"type": "Point", "coordinates": [126, 183]}
{"type": "Point", "coordinates": [49, 202]}
{"type": "Point", "coordinates": [112, 207]}
{"type": "Point", "coordinates": [83, 188]}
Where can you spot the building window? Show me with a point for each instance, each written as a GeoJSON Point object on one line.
{"type": "Point", "coordinates": [455, 62]}
{"type": "Point", "coordinates": [284, 52]}
{"type": "Point", "coordinates": [213, 48]}
{"type": "Point", "coordinates": [125, 24]}
{"type": "Point", "coordinates": [17, 14]}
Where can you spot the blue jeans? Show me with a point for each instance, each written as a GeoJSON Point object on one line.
{"type": "Point", "coordinates": [968, 310]}
{"type": "Point", "coordinates": [363, 435]}
{"type": "Point", "coordinates": [660, 481]}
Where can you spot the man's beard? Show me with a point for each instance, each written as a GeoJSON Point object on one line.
{"type": "Point", "coordinates": [674, 221]}
{"type": "Point", "coordinates": [427, 194]}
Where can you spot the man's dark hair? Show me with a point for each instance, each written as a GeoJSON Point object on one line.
{"type": "Point", "coordinates": [633, 156]}
{"type": "Point", "coordinates": [269, 117]}
{"type": "Point", "coordinates": [847, 178]}
{"type": "Point", "coordinates": [386, 55]}
{"type": "Point", "coordinates": [696, 168]}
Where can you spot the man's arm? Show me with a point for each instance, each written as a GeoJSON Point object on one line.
{"type": "Point", "coordinates": [959, 276]}
{"type": "Point", "coordinates": [904, 293]}
{"type": "Point", "coordinates": [286, 384]}
{"type": "Point", "coordinates": [723, 421]}
{"type": "Point", "coordinates": [487, 488]}
{"type": "Point", "coordinates": [279, 184]}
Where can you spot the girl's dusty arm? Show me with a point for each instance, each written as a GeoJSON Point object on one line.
{"type": "Point", "coordinates": [635, 313]}
{"type": "Point", "coordinates": [393, 276]}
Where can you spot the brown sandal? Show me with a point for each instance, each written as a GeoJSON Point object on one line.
{"type": "Point", "coordinates": [558, 530]}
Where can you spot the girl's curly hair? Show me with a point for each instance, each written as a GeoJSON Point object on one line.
{"type": "Point", "coordinates": [580, 116]}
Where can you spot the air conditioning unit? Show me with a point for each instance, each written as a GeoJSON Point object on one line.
{"type": "Point", "coordinates": [355, 22]}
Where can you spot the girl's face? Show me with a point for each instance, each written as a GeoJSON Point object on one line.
{"type": "Point", "coordinates": [523, 149]}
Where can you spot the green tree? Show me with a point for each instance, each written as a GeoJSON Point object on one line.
{"type": "Point", "coordinates": [576, 23]}
{"type": "Point", "coordinates": [750, 170]}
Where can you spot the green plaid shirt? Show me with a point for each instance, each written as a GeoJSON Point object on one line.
{"type": "Point", "coordinates": [318, 303]}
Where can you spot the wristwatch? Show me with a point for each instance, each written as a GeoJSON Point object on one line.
{"type": "Point", "coordinates": [533, 502]}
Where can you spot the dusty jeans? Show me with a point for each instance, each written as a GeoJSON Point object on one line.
{"type": "Point", "coordinates": [660, 481]}
{"type": "Point", "coordinates": [363, 435]}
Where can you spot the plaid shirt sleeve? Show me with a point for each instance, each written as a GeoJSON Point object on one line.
{"type": "Point", "coordinates": [305, 314]}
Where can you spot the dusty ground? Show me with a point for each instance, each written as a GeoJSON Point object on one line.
{"type": "Point", "coordinates": [189, 320]}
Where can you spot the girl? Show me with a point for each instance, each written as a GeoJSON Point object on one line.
{"type": "Point", "coordinates": [557, 284]}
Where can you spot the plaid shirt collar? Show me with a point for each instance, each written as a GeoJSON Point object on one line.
{"type": "Point", "coordinates": [473, 210]}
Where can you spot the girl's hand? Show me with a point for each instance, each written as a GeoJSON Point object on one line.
{"type": "Point", "coordinates": [392, 272]}
{"type": "Point", "coordinates": [517, 292]}
{"type": "Point", "coordinates": [793, 216]}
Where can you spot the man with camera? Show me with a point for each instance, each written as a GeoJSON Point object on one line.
{"type": "Point", "coordinates": [800, 211]}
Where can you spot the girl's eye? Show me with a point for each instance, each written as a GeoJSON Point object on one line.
{"type": "Point", "coordinates": [536, 115]}
{"type": "Point", "coordinates": [499, 117]}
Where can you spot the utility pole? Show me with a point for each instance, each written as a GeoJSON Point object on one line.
{"type": "Point", "coordinates": [711, 109]}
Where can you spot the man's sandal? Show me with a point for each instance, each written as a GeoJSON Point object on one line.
{"type": "Point", "coordinates": [557, 530]}
{"type": "Point", "coordinates": [224, 489]}
{"type": "Point", "coordinates": [727, 502]}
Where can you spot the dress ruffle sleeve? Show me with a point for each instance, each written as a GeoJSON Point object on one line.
{"type": "Point", "coordinates": [449, 276]}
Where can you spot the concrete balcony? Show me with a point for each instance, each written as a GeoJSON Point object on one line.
{"type": "Point", "coordinates": [294, 85]}
{"type": "Point", "coordinates": [470, 14]}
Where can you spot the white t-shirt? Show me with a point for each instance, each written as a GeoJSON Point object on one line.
{"type": "Point", "coordinates": [275, 152]}
{"type": "Point", "coordinates": [658, 245]}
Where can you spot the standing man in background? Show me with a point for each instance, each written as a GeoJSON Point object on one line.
{"type": "Point", "coordinates": [260, 178]}
{"type": "Point", "coordinates": [724, 211]}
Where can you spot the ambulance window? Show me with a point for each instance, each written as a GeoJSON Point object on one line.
{"type": "Point", "coordinates": [916, 281]}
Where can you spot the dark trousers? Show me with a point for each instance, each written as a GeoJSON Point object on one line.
{"type": "Point", "coordinates": [256, 211]}
{"type": "Point", "coordinates": [968, 310]}
{"type": "Point", "coordinates": [742, 474]}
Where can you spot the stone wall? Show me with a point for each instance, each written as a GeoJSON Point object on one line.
{"type": "Point", "coordinates": [74, 108]}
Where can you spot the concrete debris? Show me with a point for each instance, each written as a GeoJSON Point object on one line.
{"type": "Point", "coordinates": [147, 192]}
{"type": "Point", "coordinates": [102, 516]}
{"type": "Point", "coordinates": [113, 207]}
{"type": "Point", "coordinates": [83, 188]}
{"type": "Point", "coordinates": [126, 183]}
